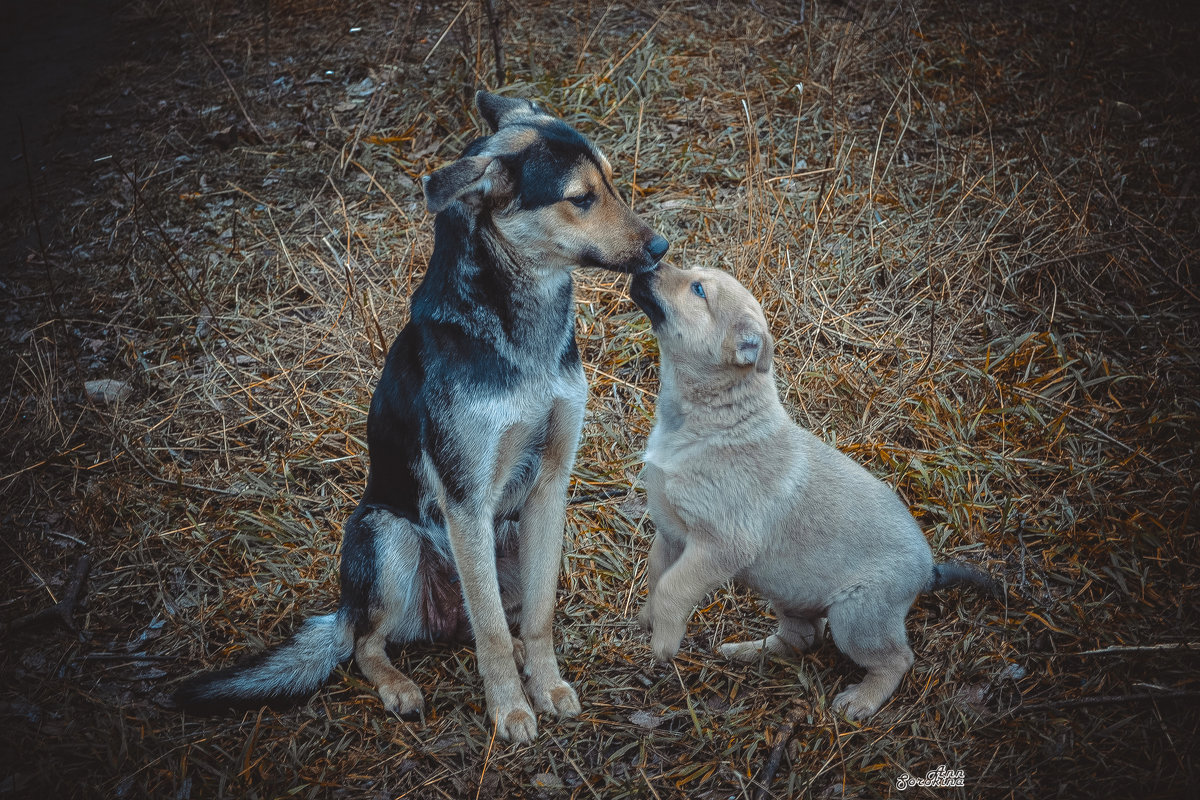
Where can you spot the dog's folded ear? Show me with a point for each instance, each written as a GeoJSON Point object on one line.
{"type": "Point", "coordinates": [471, 176]}
{"type": "Point", "coordinates": [753, 347]}
{"type": "Point", "coordinates": [498, 111]}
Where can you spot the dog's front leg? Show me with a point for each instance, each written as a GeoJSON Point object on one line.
{"type": "Point", "coordinates": [541, 530]}
{"type": "Point", "coordinates": [700, 569]}
{"type": "Point", "coordinates": [472, 540]}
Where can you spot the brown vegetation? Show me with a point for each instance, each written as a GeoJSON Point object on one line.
{"type": "Point", "coordinates": [973, 229]}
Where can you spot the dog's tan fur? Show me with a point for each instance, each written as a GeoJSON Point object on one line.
{"type": "Point", "coordinates": [737, 491]}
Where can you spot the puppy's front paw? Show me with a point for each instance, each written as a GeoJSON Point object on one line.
{"type": "Point", "coordinates": [554, 695]}
{"type": "Point", "coordinates": [857, 702]}
{"type": "Point", "coordinates": [645, 620]}
{"type": "Point", "coordinates": [664, 643]}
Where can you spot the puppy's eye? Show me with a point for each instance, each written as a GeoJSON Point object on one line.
{"type": "Point", "coordinates": [583, 201]}
{"type": "Point", "coordinates": [697, 289]}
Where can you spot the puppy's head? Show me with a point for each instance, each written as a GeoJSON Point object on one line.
{"type": "Point", "coordinates": [704, 319]}
{"type": "Point", "coordinates": [546, 191]}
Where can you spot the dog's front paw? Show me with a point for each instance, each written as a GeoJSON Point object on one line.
{"type": "Point", "coordinates": [554, 695]}
{"type": "Point", "coordinates": [514, 721]}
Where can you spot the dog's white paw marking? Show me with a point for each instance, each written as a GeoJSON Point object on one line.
{"type": "Point", "coordinates": [857, 703]}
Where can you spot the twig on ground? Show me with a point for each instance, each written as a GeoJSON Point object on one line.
{"type": "Point", "coordinates": [61, 612]}
{"type": "Point", "coordinates": [1108, 699]}
{"type": "Point", "coordinates": [783, 735]}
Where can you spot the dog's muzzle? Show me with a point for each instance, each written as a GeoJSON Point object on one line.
{"type": "Point", "coordinates": [656, 248]}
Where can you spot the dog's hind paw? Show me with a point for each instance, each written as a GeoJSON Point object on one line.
{"type": "Point", "coordinates": [519, 653]}
{"type": "Point", "coordinates": [404, 699]}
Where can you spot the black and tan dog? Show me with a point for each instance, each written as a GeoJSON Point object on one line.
{"type": "Point", "coordinates": [472, 433]}
{"type": "Point", "coordinates": [737, 491]}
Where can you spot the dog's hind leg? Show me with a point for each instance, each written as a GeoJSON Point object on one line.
{"type": "Point", "coordinates": [794, 635]}
{"type": "Point", "coordinates": [543, 517]}
{"type": "Point", "coordinates": [383, 580]}
{"type": "Point", "coordinates": [397, 691]}
{"type": "Point", "coordinates": [869, 628]}
{"type": "Point", "coordinates": [663, 553]}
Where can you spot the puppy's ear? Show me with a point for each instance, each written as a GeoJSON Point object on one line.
{"type": "Point", "coordinates": [753, 347]}
{"type": "Point", "coordinates": [498, 111]}
{"type": "Point", "coordinates": [469, 179]}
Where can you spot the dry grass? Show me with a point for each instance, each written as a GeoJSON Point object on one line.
{"type": "Point", "coordinates": [973, 229]}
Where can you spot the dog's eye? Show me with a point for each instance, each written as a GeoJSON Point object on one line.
{"type": "Point", "coordinates": [583, 201]}
{"type": "Point", "coordinates": [697, 289]}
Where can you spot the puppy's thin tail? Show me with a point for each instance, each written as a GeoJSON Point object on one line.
{"type": "Point", "coordinates": [285, 673]}
{"type": "Point", "coordinates": [955, 573]}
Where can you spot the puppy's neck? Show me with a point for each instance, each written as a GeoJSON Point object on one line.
{"type": "Point", "coordinates": [717, 399]}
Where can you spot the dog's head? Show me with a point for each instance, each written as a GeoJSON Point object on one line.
{"type": "Point", "coordinates": [704, 319]}
{"type": "Point", "coordinates": [546, 191]}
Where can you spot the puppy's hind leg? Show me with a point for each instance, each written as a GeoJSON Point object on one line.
{"type": "Point", "coordinates": [794, 635]}
{"type": "Point", "coordinates": [870, 630]}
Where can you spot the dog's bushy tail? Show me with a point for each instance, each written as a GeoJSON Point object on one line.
{"type": "Point", "coordinates": [287, 672]}
{"type": "Point", "coordinates": [954, 573]}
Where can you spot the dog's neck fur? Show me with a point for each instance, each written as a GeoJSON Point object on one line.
{"type": "Point", "coordinates": [693, 397]}
{"type": "Point", "coordinates": [473, 278]}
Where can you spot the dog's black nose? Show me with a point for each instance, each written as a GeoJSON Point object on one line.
{"type": "Point", "coordinates": [657, 247]}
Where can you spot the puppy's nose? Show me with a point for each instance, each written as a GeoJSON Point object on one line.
{"type": "Point", "coordinates": [657, 247]}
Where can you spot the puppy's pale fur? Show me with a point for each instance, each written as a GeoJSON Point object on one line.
{"type": "Point", "coordinates": [737, 491]}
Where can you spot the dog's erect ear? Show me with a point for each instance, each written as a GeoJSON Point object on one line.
{"type": "Point", "coordinates": [753, 347]}
{"type": "Point", "coordinates": [498, 111]}
{"type": "Point", "coordinates": [473, 175]}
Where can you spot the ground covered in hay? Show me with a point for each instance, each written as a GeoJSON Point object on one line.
{"type": "Point", "coordinates": [973, 228]}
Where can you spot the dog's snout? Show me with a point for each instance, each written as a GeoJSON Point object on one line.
{"type": "Point", "coordinates": [657, 247]}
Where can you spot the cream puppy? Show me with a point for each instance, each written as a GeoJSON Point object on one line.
{"type": "Point", "coordinates": [738, 491]}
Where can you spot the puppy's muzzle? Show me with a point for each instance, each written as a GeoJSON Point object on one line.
{"type": "Point", "coordinates": [643, 293]}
